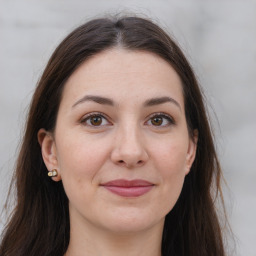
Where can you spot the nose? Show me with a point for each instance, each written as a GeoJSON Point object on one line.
{"type": "Point", "coordinates": [129, 149]}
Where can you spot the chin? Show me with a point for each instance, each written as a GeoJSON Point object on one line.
{"type": "Point", "coordinates": [131, 222]}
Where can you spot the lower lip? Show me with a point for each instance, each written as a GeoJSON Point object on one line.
{"type": "Point", "coordinates": [129, 191]}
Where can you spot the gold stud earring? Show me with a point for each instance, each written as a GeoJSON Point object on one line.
{"type": "Point", "coordinates": [53, 173]}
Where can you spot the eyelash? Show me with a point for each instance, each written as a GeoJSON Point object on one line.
{"type": "Point", "coordinates": [167, 117]}
{"type": "Point", "coordinates": [95, 114]}
{"type": "Point", "coordinates": [88, 117]}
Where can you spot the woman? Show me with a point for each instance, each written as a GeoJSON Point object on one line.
{"type": "Point", "coordinates": [118, 123]}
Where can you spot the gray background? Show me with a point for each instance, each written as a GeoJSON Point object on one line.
{"type": "Point", "coordinates": [218, 37]}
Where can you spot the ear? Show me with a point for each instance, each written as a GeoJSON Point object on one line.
{"type": "Point", "coordinates": [49, 152]}
{"type": "Point", "coordinates": [191, 153]}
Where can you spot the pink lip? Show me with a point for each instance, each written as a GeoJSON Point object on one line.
{"type": "Point", "coordinates": [128, 188]}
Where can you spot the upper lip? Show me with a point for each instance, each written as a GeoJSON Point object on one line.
{"type": "Point", "coordinates": [128, 183]}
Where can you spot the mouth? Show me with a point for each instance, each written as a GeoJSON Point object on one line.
{"type": "Point", "coordinates": [128, 188]}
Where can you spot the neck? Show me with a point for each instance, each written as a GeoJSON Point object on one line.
{"type": "Point", "coordinates": [93, 241]}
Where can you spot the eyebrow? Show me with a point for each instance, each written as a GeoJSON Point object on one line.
{"type": "Point", "coordinates": [110, 102]}
{"type": "Point", "coordinates": [161, 100]}
{"type": "Point", "coordinates": [97, 99]}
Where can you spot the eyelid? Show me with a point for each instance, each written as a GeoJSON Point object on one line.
{"type": "Point", "coordinates": [168, 117]}
{"type": "Point", "coordinates": [92, 114]}
{"type": "Point", "coordinates": [164, 115]}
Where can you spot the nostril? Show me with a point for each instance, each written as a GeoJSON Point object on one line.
{"type": "Point", "coordinates": [122, 162]}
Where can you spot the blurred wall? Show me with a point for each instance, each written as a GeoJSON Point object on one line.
{"type": "Point", "coordinates": [218, 37]}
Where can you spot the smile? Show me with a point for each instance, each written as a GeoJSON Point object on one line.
{"type": "Point", "coordinates": [128, 188]}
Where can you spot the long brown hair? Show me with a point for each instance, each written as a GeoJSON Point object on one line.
{"type": "Point", "coordinates": [40, 221]}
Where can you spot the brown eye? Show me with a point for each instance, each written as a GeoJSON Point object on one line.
{"type": "Point", "coordinates": [96, 120]}
{"type": "Point", "coordinates": [157, 120]}
{"type": "Point", "coordinates": [160, 120]}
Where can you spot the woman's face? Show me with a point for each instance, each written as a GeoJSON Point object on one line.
{"type": "Point", "coordinates": [121, 143]}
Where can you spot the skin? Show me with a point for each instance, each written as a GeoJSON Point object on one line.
{"type": "Point", "coordinates": [133, 140]}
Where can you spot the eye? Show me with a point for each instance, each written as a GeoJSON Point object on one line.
{"type": "Point", "coordinates": [95, 119]}
{"type": "Point", "coordinates": [160, 120]}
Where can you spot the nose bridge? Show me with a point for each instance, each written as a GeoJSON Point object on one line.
{"type": "Point", "coordinates": [129, 137]}
{"type": "Point", "coordinates": [129, 145]}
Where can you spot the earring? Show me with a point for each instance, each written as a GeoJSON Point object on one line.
{"type": "Point", "coordinates": [53, 173]}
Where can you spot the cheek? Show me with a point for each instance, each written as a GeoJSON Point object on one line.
{"type": "Point", "coordinates": [170, 161]}
{"type": "Point", "coordinates": [80, 160]}
{"type": "Point", "coordinates": [170, 157]}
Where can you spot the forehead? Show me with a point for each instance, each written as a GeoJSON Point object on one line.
{"type": "Point", "coordinates": [123, 74]}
